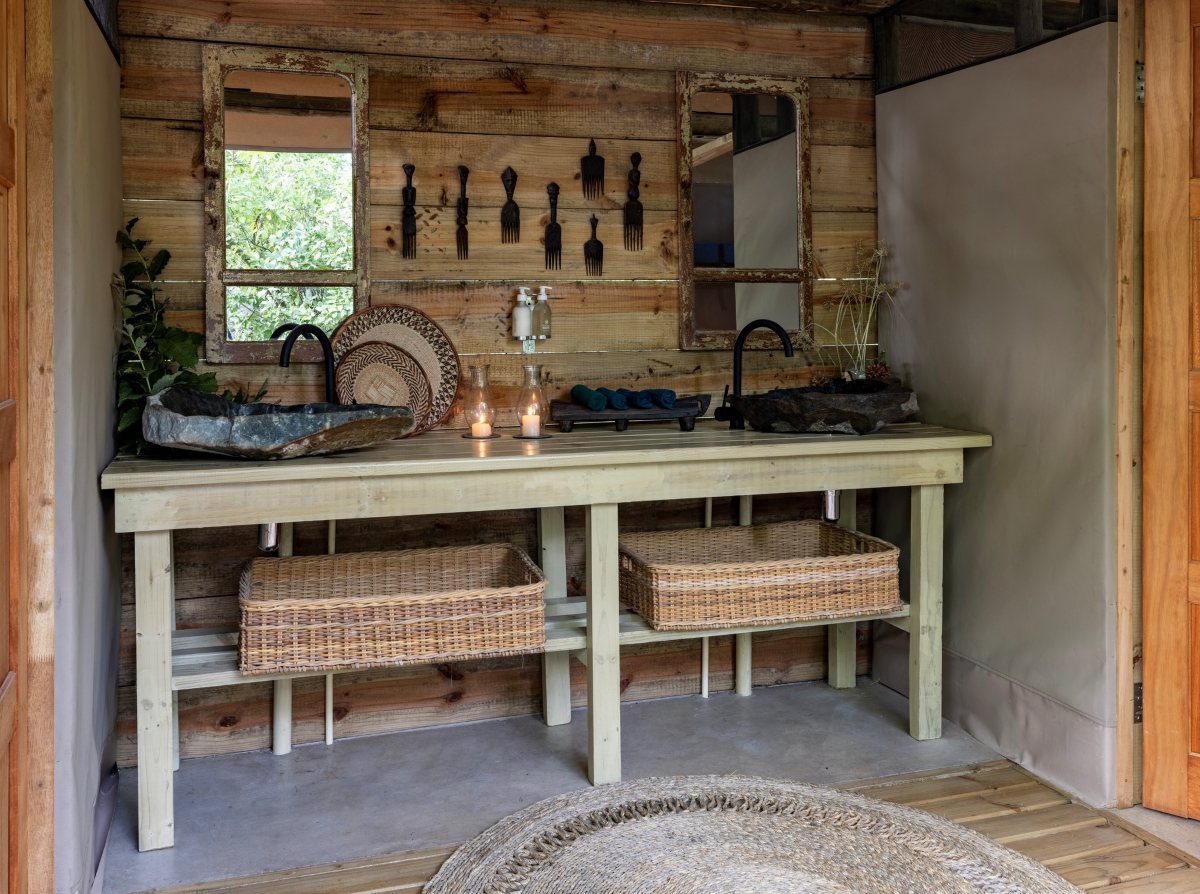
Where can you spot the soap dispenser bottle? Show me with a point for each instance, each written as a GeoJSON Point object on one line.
{"type": "Point", "coordinates": [541, 314]}
{"type": "Point", "coordinates": [522, 315]}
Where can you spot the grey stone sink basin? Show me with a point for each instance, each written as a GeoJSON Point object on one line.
{"type": "Point", "coordinates": [850, 408]}
{"type": "Point", "coordinates": [196, 420]}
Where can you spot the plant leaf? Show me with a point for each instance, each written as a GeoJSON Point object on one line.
{"type": "Point", "coordinates": [130, 416]}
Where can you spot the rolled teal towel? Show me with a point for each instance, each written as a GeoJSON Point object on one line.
{"type": "Point", "coordinates": [593, 400]}
{"type": "Point", "coordinates": [616, 401]}
{"type": "Point", "coordinates": [664, 397]}
{"type": "Point", "coordinates": [636, 398]}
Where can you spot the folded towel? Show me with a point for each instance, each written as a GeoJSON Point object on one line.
{"type": "Point", "coordinates": [591, 399]}
{"type": "Point", "coordinates": [615, 401]}
{"type": "Point", "coordinates": [664, 397]}
{"type": "Point", "coordinates": [638, 399]}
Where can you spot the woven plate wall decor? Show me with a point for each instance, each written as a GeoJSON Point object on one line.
{"type": "Point", "coordinates": [419, 337]}
{"type": "Point", "coordinates": [375, 372]}
{"type": "Point", "coordinates": [718, 834]}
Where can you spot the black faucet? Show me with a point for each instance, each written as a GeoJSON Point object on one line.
{"type": "Point", "coordinates": [736, 420]}
{"type": "Point", "coordinates": [311, 331]}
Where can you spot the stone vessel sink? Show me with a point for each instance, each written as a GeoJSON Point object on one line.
{"type": "Point", "coordinates": [851, 408]}
{"type": "Point", "coordinates": [196, 420]}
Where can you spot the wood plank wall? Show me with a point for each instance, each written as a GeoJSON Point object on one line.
{"type": "Point", "coordinates": [489, 85]}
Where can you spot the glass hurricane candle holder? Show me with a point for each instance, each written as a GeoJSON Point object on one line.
{"type": "Point", "coordinates": [479, 407]}
{"type": "Point", "coordinates": [532, 406]}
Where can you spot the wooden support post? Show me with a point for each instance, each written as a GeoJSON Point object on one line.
{"type": "Point", "coordinates": [174, 730]}
{"type": "Point", "coordinates": [329, 708]}
{"type": "Point", "coordinates": [603, 646]}
{"type": "Point", "coordinates": [154, 584]}
{"type": "Point", "coordinates": [556, 666]}
{"type": "Point", "coordinates": [745, 510]}
{"type": "Point", "coordinates": [925, 618]}
{"type": "Point", "coordinates": [556, 688]}
{"type": "Point", "coordinates": [281, 728]}
{"type": "Point", "coordinates": [1029, 22]}
{"type": "Point", "coordinates": [704, 639]}
{"type": "Point", "coordinates": [843, 646]}
{"type": "Point", "coordinates": [743, 669]}
{"type": "Point", "coordinates": [887, 51]}
{"type": "Point", "coordinates": [743, 666]}
{"type": "Point", "coordinates": [174, 695]}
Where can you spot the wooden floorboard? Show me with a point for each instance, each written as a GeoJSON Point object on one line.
{"type": "Point", "coordinates": [998, 799]}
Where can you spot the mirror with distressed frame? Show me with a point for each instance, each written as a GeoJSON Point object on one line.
{"type": "Point", "coordinates": [745, 216]}
{"type": "Point", "coordinates": [286, 204]}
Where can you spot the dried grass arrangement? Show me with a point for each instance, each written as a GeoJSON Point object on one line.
{"type": "Point", "coordinates": [863, 293]}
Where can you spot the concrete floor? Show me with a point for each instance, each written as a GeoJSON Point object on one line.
{"type": "Point", "coordinates": [242, 814]}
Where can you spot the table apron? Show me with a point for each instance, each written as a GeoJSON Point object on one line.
{"type": "Point", "coordinates": [383, 496]}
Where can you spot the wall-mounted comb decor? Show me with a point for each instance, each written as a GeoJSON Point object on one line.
{"type": "Point", "coordinates": [553, 232]}
{"type": "Point", "coordinates": [408, 195]}
{"type": "Point", "coordinates": [633, 208]}
{"type": "Point", "coordinates": [510, 214]}
{"type": "Point", "coordinates": [593, 252]}
{"type": "Point", "coordinates": [461, 219]}
{"type": "Point", "coordinates": [591, 166]}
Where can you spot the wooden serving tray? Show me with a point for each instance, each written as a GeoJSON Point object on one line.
{"type": "Point", "coordinates": [566, 413]}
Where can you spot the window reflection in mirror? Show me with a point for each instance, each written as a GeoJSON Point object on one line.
{"type": "Point", "coordinates": [289, 197]}
{"type": "Point", "coordinates": [745, 205]}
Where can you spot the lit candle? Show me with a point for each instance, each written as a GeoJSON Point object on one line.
{"type": "Point", "coordinates": [480, 430]}
{"type": "Point", "coordinates": [531, 426]}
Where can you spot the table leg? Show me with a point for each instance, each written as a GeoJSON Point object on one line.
{"type": "Point", "coordinates": [153, 576]}
{"type": "Point", "coordinates": [843, 646]}
{"type": "Point", "coordinates": [925, 618]}
{"type": "Point", "coordinates": [743, 662]}
{"type": "Point", "coordinates": [556, 666]}
{"type": "Point", "coordinates": [603, 646]}
{"type": "Point", "coordinates": [281, 726]}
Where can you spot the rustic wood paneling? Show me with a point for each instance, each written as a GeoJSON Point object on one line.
{"type": "Point", "coordinates": [522, 84]}
{"type": "Point", "coordinates": [563, 32]}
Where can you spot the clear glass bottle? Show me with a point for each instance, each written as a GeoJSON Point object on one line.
{"type": "Point", "coordinates": [532, 406]}
{"type": "Point", "coordinates": [541, 314]}
{"type": "Point", "coordinates": [479, 407]}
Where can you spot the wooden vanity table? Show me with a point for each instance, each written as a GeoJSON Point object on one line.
{"type": "Point", "coordinates": [441, 471]}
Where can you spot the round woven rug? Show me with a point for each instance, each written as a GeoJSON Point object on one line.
{"type": "Point", "coordinates": [733, 833]}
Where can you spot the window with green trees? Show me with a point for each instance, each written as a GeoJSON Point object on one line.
{"type": "Point", "coordinates": [287, 211]}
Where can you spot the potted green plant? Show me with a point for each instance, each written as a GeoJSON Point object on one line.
{"type": "Point", "coordinates": [151, 356]}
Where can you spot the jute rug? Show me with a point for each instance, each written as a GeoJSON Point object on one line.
{"type": "Point", "coordinates": [741, 834]}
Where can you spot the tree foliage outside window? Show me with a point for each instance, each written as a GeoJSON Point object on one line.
{"type": "Point", "coordinates": [252, 313]}
{"type": "Point", "coordinates": [287, 211]}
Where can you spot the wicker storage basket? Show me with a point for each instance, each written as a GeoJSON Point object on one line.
{"type": "Point", "coordinates": [385, 609]}
{"type": "Point", "coordinates": [709, 578]}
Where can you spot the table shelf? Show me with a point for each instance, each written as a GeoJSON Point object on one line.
{"type": "Point", "coordinates": [208, 657]}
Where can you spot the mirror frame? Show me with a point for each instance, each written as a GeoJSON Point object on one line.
{"type": "Point", "coordinates": [690, 83]}
{"type": "Point", "coordinates": [219, 60]}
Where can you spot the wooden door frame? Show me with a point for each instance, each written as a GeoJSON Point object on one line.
{"type": "Point", "coordinates": [1170, 235]}
{"type": "Point", "coordinates": [33, 572]}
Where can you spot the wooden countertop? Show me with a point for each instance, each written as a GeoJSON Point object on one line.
{"type": "Point", "coordinates": [440, 452]}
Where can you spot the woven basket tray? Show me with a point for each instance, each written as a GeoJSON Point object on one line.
{"type": "Point", "coordinates": [385, 609]}
{"type": "Point", "coordinates": [709, 578]}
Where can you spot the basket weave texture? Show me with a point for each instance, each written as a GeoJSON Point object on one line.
{"type": "Point", "coordinates": [386, 609]}
{"type": "Point", "coordinates": [709, 578]}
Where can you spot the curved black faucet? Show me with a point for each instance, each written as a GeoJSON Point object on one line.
{"type": "Point", "coordinates": [285, 355]}
{"type": "Point", "coordinates": [736, 420]}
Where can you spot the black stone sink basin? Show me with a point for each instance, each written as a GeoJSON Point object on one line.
{"type": "Point", "coordinates": [188, 419]}
{"type": "Point", "coordinates": [851, 408]}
